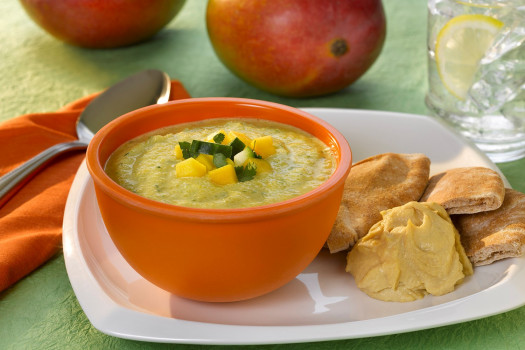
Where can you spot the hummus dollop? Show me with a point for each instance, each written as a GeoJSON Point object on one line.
{"type": "Point", "coordinates": [413, 251]}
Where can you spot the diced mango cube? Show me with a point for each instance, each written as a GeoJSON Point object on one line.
{"type": "Point", "coordinates": [178, 152]}
{"type": "Point", "coordinates": [233, 134]}
{"type": "Point", "coordinates": [212, 135]}
{"type": "Point", "coordinates": [263, 146]}
{"type": "Point", "coordinates": [206, 160]}
{"type": "Point", "coordinates": [261, 165]}
{"type": "Point", "coordinates": [190, 168]}
{"type": "Point", "coordinates": [229, 138]}
{"type": "Point", "coordinates": [223, 175]}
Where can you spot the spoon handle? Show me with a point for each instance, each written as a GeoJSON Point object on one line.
{"type": "Point", "coordinates": [16, 178]}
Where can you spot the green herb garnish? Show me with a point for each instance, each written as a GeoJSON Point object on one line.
{"type": "Point", "coordinates": [246, 173]}
{"type": "Point", "coordinates": [219, 137]}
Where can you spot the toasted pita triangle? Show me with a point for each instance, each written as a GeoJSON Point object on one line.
{"type": "Point", "coordinates": [375, 184]}
{"type": "Point", "coordinates": [466, 190]}
{"type": "Point", "coordinates": [494, 235]}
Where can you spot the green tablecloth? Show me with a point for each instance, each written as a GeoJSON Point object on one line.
{"type": "Point", "coordinates": [39, 73]}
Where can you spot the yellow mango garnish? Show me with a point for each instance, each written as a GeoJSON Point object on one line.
{"type": "Point", "coordinates": [261, 166]}
{"type": "Point", "coordinates": [206, 160]}
{"type": "Point", "coordinates": [178, 152]}
{"type": "Point", "coordinates": [234, 134]}
{"type": "Point", "coordinates": [190, 168]}
{"type": "Point", "coordinates": [263, 146]}
{"type": "Point", "coordinates": [224, 175]}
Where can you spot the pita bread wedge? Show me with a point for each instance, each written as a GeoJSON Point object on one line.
{"type": "Point", "coordinates": [375, 184]}
{"type": "Point", "coordinates": [496, 234]}
{"type": "Point", "coordinates": [466, 190]}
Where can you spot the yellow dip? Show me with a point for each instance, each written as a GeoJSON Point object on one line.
{"type": "Point", "coordinates": [146, 166]}
{"type": "Point", "coordinates": [413, 251]}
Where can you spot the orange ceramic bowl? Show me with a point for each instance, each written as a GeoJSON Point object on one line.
{"type": "Point", "coordinates": [216, 254]}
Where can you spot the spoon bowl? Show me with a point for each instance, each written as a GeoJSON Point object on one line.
{"type": "Point", "coordinates": [145, 88]}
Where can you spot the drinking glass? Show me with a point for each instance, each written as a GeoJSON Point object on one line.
{"type": "Point", "coordinates": [476, 64]}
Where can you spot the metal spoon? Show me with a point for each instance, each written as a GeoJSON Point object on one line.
{"type": "Point", "coordinates": [139, 90]}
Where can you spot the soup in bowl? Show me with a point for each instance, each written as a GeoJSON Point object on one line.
{"type": "Point", "coordinates": [218, 199]}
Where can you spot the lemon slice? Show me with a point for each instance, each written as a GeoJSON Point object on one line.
{"type": "Point", "coordinates": [460, 45]}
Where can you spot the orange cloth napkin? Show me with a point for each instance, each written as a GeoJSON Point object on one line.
{"type": "Point", "coordinates": [31, 221]}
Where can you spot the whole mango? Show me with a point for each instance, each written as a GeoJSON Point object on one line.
{"type": "Point", "coordinates": [102, 23]}
{"type": "Point", "coordinates": [297, 48]}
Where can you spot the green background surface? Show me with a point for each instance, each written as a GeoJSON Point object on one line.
{"type": "Point", "coordinates": [40, 74]}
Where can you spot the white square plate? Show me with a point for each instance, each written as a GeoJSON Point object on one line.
{"type": "Point", "coordinates": [322, 303]}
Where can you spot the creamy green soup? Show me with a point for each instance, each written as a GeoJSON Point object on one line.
{"type": "Point", "coordinates": [146, 166]}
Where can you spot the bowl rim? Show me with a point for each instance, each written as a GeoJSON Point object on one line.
{"type": "Point", "coordinates": [130, 199]}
